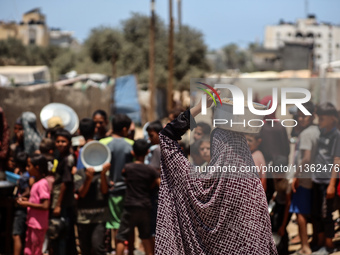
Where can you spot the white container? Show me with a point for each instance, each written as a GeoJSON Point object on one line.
{"type": "Point", "coordinates": [95, 154]}
{"type": "Point", "coordinates": [225, 112]}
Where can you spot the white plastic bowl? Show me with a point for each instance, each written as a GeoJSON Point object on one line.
{"type": "Point", "coordinates": [95, 155]}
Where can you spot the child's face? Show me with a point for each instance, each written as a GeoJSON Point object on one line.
{"type": "Point", "coordinates": [100, 124]}
{"type": "Point", "coordinates": [198, 133]}
{"type": "Point", "coordinates": [62, 144]}
{"type": "Point", "coordinates": [11, 163]}
{"type": "Point", "coordinates": [18, 132]}
{"type": "Point", "coordinates": [154, 137]}
{"type": "Point", "coordinates": [304, 120]}
{"type": "Point", "coordinates": [253, 143]}
{"type": "Point", "coordinates": [205, 151]}
{"type": "Point", "coordinates": [326, 122]}
{"type": "Point", "coordinates": [32, 170]}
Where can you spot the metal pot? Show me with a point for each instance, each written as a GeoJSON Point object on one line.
{"type": "Point", "coordinates": [227, 120]}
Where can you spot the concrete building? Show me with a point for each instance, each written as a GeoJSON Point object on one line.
{"type": "Point", "coordinates": [324, 36]}
{"type": "Point", "coordinates": [63, 39]}
{"type": "Point", "coordinates": [31, 30]}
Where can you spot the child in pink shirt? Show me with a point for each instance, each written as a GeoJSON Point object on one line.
{"type": "Point", "coordinates": [37, 205]}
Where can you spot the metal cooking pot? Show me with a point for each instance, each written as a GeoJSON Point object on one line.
{"type": "Point", "coordinates": [225, 112]}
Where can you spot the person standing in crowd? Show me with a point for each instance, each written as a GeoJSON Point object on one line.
{"type": "Point", "coordinates": [38, 205]}
{"type": "Point", "coordinates": [280, 215]}
{"type": "Point", "coordinates": [328, 158]}
{"type": "Point", "coordinates": [202, 129]}
{"type": "Point", "coordinates": [87, 129]}
{"type": "Point", "coordinates": [92, 188]}
{"type": "Point", "coordinates": [4, 142]}
{"type": "Point", "coordinates": [32, 137]}
{"type": "Point", "coordinates": [195, 155]}
{"type": "Point", "coordinates": [140, 180]}
{"type": "Point", "coordinates": [101, 121]}
{"type": "Point", "coordinates": [274, 143]}
{"type": "Point", "coordinates": [306, 148]}
{"type": "Point", "coordinates": [63, 203]}
{"type": "Point", "coordinates": [20, 213]}
{"type": "Point", "coordinates": [121, 155]}
{"type": "Point", "coordinates": [254, 141]}
{"type": "Point", "coordinates": [153, 159]}
{"type": "Point", "coordinates": [17, 141]}
{"type": "Point", "coordinates": [210, 214]}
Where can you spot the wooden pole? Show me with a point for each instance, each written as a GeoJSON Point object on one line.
{"type": "Point", "coordinates": [179, 13]}
{"type": "Point", "coordinates": [170, 59]}
{"type": "Point", "coordinates": [151, 114]}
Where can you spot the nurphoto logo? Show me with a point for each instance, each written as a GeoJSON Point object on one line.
{"type": "Point", "coordinates": [248, 108]}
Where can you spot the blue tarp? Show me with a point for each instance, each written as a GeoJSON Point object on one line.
{"type": "Point", "coordinates": [126, 98]}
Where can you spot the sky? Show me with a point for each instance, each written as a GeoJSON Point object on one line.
{"type": "Point", "coordinates": [221, 21]}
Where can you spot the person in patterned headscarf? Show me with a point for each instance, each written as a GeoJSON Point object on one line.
{"type": "Point", "coordinates": [214, 213]}
{"type": "Point", "coordinates": [32, 137]}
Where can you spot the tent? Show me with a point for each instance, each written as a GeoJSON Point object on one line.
{"type": "Point", "coordinates": [26, 75]}
{"type": "Point", "coordinates": [126, 98]}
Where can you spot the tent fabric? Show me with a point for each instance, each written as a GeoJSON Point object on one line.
{"type": "Point", "coordinates": [126, 98]}
{"type": "Point", "coordinates": [25, 74]}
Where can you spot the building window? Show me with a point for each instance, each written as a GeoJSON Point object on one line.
{"type": "Point", "coordinates": [289, 34]}
{"type": "Point", "coordinates": [319, 35]}
{"type": "Point", "coordinates": [310, 35]}
{"type": "Point", "coordinates": [318, 45]}
{"type": "Point", "coordinates": [298, 34]}
{"type": "Point", "coordinates": [32, 34]}
{"type": "Point", "coordinates": [330, 35]}
{"type": "Point", "coordinates": [318, 56]}
{"type": "Point", "coordinates": [338, 45]}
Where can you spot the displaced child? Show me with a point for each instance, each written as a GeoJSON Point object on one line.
{"type": "Point", "coordinates": [121, 149]}
{"type": "Point", "coordinates": [254, 141]}
{"type": "Point", "coordinates": [92, 189]}
{"type": "Point", "coordinates": [140, 179]}
{"type": "Point", "coordinates": [204, 149]}
{"type": "Point", "coordinates": [306, 148]}
{"type": "Point", "coordinates": [100, 119]}
{"type": "Point", "coordinates": [20, 213]}
{"type": "Point", "coordinates": [280, 215]}
{"type": "Point", "coordinates": [87, 129]}
{"type": "Point", "coordinates": [202, 129]}
{"type": "Point", "coordinates": [37, 205]}
{"type": "Point", "coordinates": [328, 159]}
{"type": "Point", "coordinates": [63, 203]}
{"type": "Point", "coordinates": [154, 159]}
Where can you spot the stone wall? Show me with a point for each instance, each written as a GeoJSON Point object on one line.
{"type": "Point", "coordinates": [17, 100]}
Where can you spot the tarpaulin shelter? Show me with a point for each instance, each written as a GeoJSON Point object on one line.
{"type": "Point", "coordinates": [126, 98]}
{"type": "Point", "coordinates": [26, 75]}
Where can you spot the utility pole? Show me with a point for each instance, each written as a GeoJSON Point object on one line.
{"type": "Point", "coordinates": [306, 8]}
{"type": "Point", "coordinates": [170, 59]}
{"type": "Point", "coordinates": [151, 113]}
{"type": "Point", "coordinates": [179, 13]}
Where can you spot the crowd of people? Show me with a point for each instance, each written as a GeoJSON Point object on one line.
{"type": "Point", "coordinates": [58, 198]}
{"type": "Point", "coordinates": [310, 189]}
{"type": "Point", "coordinates": [56, 192]}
